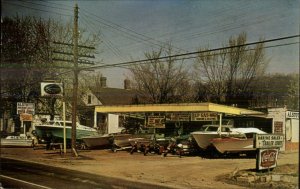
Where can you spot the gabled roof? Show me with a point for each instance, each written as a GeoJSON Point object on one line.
{"type": "Point", "coordinates": [115, 96]}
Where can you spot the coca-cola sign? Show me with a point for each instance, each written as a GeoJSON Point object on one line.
{"type": "Point", "coordinates": [267, 158]}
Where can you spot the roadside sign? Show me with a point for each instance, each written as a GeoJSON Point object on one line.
{"type": "Point", "coordinates": [27, 108]}
{"type": "Point", "coordinates": [267, 158]}
{"type": "Point", "coordinates": [204, 116]}
{"type": "Point", "coordinates": [292, 115]}
{"type": "Point", "coordinates": [25, 117]}
{"type": "Point", "coordinates": [156, 121]}
{"type": "Point", "coordinates": [268, 141]}
{"type": "Point", "coordinates": [51, 89]}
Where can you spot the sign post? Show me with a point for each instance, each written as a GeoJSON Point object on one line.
{"type": "Point", "coordinates": [25, 110]}
{"type": "Point", "coordinates": [64, 118]}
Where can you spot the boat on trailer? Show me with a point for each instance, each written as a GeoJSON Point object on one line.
{"type": "Point", "coordinates": [17, 141]}
{"type": "Point", "coordinates": [239, 143]}
{"type": "Point", "coordinates": [207, 132]}
{"type": "Point", "coordinates": [54, 130]}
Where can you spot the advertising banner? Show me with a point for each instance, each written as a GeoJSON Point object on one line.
{"type": "Point", "coordinates": [204, 116]}
{"type": "Point", "coordinates": [156, 121]}
{"type": "Point", "coordinates": [178, 117]}
{"type": "Point", "coordinates": [25, 117]}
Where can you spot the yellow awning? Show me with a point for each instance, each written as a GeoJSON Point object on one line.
{"type": "Point", "coordinates": [182, 107]}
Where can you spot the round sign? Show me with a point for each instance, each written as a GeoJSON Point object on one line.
{"type": "Point", "coordinates": [52, 89]}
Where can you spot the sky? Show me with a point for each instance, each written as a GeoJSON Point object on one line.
{"type": "Point", "coordinates": [129, 28]}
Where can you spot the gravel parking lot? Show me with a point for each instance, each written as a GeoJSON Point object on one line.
{"type": "Point", "coordinates": [185, 172]}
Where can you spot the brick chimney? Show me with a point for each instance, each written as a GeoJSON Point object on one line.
{"type": "Point", "coordinates": [127, 84]}
{"type": "Point", "coordinates": [103, 82]}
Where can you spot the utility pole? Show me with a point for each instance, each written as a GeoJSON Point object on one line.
{"type": "Point", "coordinates": [75, 82]}
{"type": "Point", "coordinates": [74, 51]}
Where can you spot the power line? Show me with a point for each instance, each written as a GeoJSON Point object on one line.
{"type": "Point", "coordinates": [107, 42]}
{"type": "Point", "coordinates": [129, 31]}
{"type": "Point", "coordinates": [41, 10]}
{"type": "Point", "coordinates": [49, 6]}
{"type": "Point", "coordinates": [123, 64]}
{"type": "Point", "coordinates": [192, 53]}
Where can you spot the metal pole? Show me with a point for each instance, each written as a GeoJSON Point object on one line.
{"type": "Point", "coordinates": [64, 119]}
{"type": "Point", "coordinates": [24, 127]}
{"type": "Point", "coordinates": [220, 124]}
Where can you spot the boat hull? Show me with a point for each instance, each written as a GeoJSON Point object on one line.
{"type": "Point", "coordinates": [58, 132]}
{"type": "Point", "coordinates": [203, 139]}
{"type": "Point", "coordinates": [126, 140]}
{"type": "Point", "coordinates": [16, 141]}
{"type": "Point", "coordinates": [233, 145]}
{"type": "Point", "coordinates": [98, 141]}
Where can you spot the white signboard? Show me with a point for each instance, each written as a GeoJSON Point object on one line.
{"type": "Point", "coordinates": [26, 108]}
{"type": "Point", "coordinates": [268, 141]}
{"type": "Point", "coordinates": [204, 116]}
{"type": "Point", "coordinates": [292, 115]}
{"type": "Point", "coordinates": [51, 89]}
{"type": "Point", "coordinates": [178, 117]}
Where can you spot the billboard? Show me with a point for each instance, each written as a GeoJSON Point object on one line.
{"type": "Point", "coordinates": [51, 89]}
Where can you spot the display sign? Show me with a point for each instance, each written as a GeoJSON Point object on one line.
{"type": "Point", "coordinates": [25, 108]}
{"type": "Point", "coordinates": [204, 116]}
{"type": "Point", "coordinates": [156, 121]}
{"type": "Point", "coordinates": [268, 141]}
{"type": "Point", "coordinates": [278, 127]}
{"type": "Point", "coordinates": [25, 117]}
{"type": "Point", "coordinates": [267, 158]}
{"type": "Point", "coordinates": [51, 89]}
{"type": "Point", "coordinates": [178, 117]}
{"type": "Point", "coordinates": [292, 115]}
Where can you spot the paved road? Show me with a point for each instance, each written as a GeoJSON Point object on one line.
{"type": "Point", "coordinates": [21, 174]}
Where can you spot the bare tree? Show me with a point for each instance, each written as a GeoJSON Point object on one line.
{"type": "Point", "coordinates": [212, 69]}
{"type": "Point", "coordinates": [228, 73]}
{"type": "Point", "coordinates": [161, 81]}
{"type": "Point", "coordinates": [27, 58]}
{"type": "Point", "coordinates": [293, 93]}
{"type": "Point", "coordinates": [276, 90]}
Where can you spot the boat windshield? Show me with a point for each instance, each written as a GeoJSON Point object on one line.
{"type": "Point", "coordinates": [209, 128]}
{"type": "Point", "coordinates": [60, 123]}
{"type": "Point", "coordinates": [214, 128]}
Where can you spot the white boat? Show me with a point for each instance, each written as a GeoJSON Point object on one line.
{"type": "Point", "coordinates": [98, 141]}
{"type": "Point", "coordinates": [55, 130]}
{"type": "Point", "coordinates": [16, 141]}
{"type": "Point", "coordinates": [209, 132]}
{"type": "Point", "coordinates": [242, 143]}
